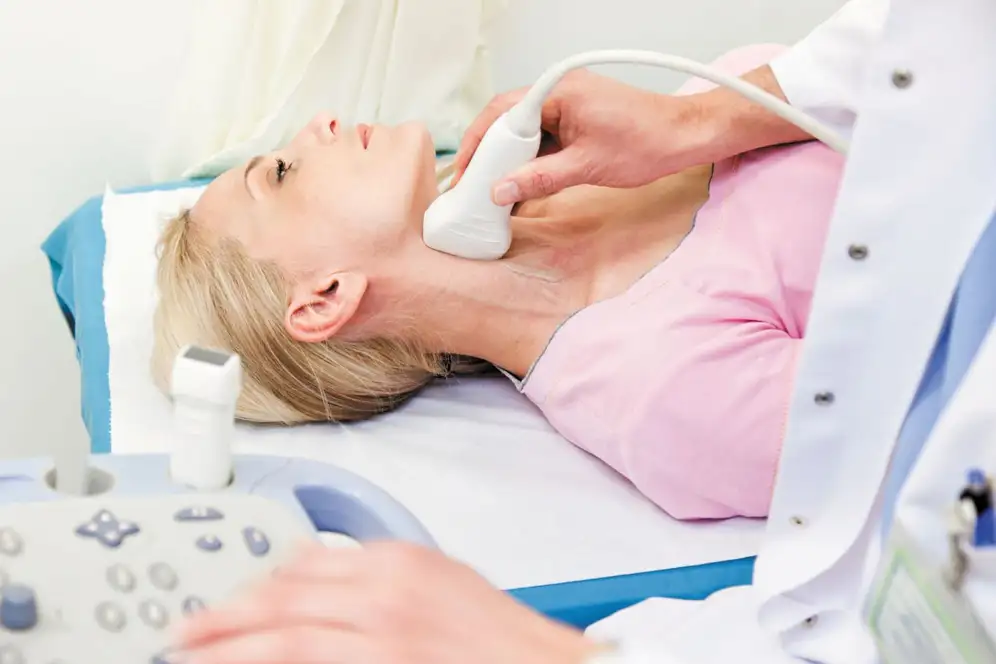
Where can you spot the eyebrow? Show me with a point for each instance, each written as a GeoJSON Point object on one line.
{"type": "Point", "coordinates": [251, 165]}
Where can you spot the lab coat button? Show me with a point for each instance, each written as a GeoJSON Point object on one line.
{"type": "Point", "coordinates": [797, 521]}
{"type": "Point", "coordinates": [811, 621]}
{"type": "Point", "coordinates": [902, 79]}
{"type": "Point", "coordinates": [823, 398]}
{"type": "Point", "coordinates": [857, 252]}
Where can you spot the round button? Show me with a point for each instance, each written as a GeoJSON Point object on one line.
{"type": "Point", "coordinates": [857, 252]}
{"type": "Point", "coordinates": [797, 521]}
{"type": "Point", "coordinates": [153, 614]}
{"type": "Point", "coordinates": [902, 78]}
{"type": "Point", "coordinates": [811, 621]}
{"type": "Point", "coordinates": [11, 655]}
{"type": "Point", "coordinates": [823, 398]}
{"type": "Point", "coordinates": [11, 543]}
{"type": "Point", "coordinates": [110, 617]}
{"type": "Point", "coordinates": [121, 578]}
{"type": "Point", "coordinates": [163, 576]}
{"type": "Point", "coordinates": [18, 607]}
{"type": "Point", "coordinates": [192, 604]}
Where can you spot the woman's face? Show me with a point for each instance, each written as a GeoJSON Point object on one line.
{"type": "Point", "coordinates": [334, 197]}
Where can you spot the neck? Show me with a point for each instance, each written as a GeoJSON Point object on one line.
{"type": "Point", "coordinates": [499, 311]}
{"type": "Point", "coordinates": [569, 251]}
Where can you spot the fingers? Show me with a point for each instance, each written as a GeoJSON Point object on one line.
{"type": "Point", "coordinates": [311, 589]}
{"type": "Point", "coordinates": [475, 132]}
{"type": "Point", "coordinates": [543, 176]}
{"type": "Point", "coordinates": [279, 605]}
{"type": "Point", "coordinates": [306, 644]}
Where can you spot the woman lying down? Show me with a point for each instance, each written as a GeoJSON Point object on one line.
{"type": "Point", "coordinates": [657, 328]}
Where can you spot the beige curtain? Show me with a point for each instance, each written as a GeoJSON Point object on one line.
{"type": "Point", "coordinates": [258, 70]}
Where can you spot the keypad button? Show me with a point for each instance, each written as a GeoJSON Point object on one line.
{"type": "Point", "coordinates": [153, 614]}
{"type": "Point", "coordinates": [110, 616]}
{"type": "Point", "coordinates": [18, 607]}
{"type": "Point", "coordinates": [192, 604]}
{"type": "Point", "coordinates": [208, 543]}
{"type": "Point", "coordinates": [11, 543]}
{"type": "Point", "coordinates": [11, 655]}
{"type": "Point", "coordinates": [121, 578]}
{"type": "Point", "coordinates": [198, 514]}
{"type": "Point", "coordinates": [162, 576]}
{"type": "Point", "coordinates": [107, 529]}
{"type": "Point", "coordinates": [256, 541]}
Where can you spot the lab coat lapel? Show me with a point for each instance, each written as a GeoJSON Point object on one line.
{"type": "Point", "coordinates": [874, 322]}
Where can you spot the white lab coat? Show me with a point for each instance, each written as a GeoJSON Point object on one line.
{"type": "Point", "coordinates": [918, 190]}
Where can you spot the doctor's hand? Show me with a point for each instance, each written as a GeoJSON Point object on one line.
{"type": "Point", "coordinates": [603, 133]}
{"type": "Point", "coordinates": [386, 603]}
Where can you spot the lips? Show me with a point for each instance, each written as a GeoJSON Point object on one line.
{"type": "Point", "coordinates": [364, 130]}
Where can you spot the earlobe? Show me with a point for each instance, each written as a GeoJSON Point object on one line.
{"type": "Point", "coordinates": [318, 310]}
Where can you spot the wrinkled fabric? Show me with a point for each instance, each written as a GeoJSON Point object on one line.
{"type": "Point", "coordinates": [258, 71]}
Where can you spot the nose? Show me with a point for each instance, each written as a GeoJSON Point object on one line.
{"type": "Point", "coordinates": [323, 126]}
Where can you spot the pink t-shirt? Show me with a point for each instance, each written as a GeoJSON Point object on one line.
{"type": "Point", "coordinates": [682, 383]}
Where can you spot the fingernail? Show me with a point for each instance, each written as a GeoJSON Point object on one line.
{"type": "Point", "coordinates": [507, 193]}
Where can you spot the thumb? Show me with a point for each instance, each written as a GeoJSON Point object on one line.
{"type": "Point", "coordinates": [541, 177]}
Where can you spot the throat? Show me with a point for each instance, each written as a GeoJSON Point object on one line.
{"type": "Point", "coordinates": [605, 240]}
{"type": "Point", "coordinates": [499, 311]}
{"type": "Point", "coordinates": [580, 247]}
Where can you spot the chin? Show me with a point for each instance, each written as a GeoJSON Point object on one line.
{"type": "Point", "coordinates": [413, 133]}
{"type": "Point", "coordinates": [419, 134]}
{"type": "Point", "coordinates": [413, 152]}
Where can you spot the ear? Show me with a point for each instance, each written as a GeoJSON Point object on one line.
{"type": "Point", "coordinates": [319, 309]}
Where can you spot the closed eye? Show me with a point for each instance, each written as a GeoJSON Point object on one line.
{"type": "Point", "coordinates": [282, 169]}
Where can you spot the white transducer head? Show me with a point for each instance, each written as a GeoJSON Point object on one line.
{"type": "Point", "coordinates": [205, 388]}
{"type": "Point", "coordinates": [465, 221]}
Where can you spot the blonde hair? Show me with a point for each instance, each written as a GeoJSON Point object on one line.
{"type": "Point", "coordinates": [212, 293]}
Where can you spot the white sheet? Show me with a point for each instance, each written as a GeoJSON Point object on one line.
{"type": "Point", "coordinates": [474, 460]}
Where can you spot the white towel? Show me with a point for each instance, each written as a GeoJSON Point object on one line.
{"type": "Point", "coordinates": [257, 71]}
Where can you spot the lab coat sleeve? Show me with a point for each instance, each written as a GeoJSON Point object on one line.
{"type": "Point", "coordinates": [823, 74]}
{"type": "Point", "coordinates": [723, 628]}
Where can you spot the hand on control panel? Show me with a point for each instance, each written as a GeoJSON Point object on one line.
{"type": "Point", "coordinates": [146, 551]}
{"type": "Point", "coordinates": [390, 603]}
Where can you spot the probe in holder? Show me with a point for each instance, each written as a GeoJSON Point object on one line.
{"type": "Point", "coordinates": [205, 388]}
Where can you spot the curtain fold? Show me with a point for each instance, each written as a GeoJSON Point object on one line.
{"type": "Point", "coordinates": [258, 70]}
